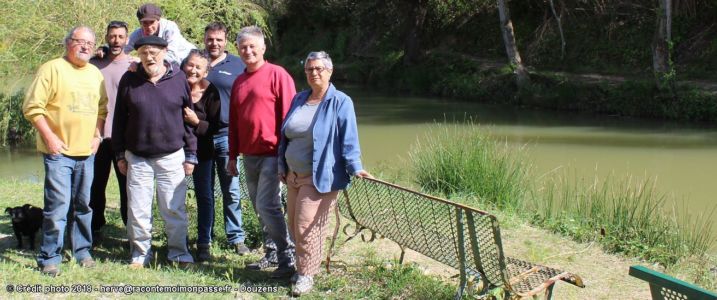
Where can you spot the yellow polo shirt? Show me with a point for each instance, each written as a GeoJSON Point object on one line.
{"type": "Point", "coordinates": [71, 99]}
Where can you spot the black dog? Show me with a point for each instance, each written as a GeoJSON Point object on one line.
{"type": "Point", "coordinates": [26, 220]}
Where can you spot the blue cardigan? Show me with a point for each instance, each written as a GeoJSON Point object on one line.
{"type": "Point", "coordinates": [336, 154]}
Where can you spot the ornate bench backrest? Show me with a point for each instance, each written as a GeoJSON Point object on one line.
{"type": "Point", "coordinates": [456, 235]}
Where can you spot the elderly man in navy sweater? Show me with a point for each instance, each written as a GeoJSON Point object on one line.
{"type": "Point", "coordinates": [152, 142]}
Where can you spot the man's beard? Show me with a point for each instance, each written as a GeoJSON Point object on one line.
{"type": "Point", "coordinates": [153, 70]}
{"type": "Point", "coordinates": [116, 50]}
{"type": "Point", "coordinates": [83, 56]}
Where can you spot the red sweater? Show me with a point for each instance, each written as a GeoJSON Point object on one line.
{"type": "Point", "coordinates": [259, 103]}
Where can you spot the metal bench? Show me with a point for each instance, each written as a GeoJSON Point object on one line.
{"type": "Point", "coordinates": [663, 286]}
{"type": "Point", "coordinates": [456, 235]}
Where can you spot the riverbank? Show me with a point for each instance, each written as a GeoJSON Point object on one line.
{"type": "Point", "coordinates": [623, 215]}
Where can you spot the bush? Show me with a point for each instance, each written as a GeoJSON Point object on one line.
{"type": "Point", "coordinates": [32, 31]}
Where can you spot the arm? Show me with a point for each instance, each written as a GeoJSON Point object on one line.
{"type": "Point", "coordinates": [54, 144]}
{"type": "Point", "coordinates": [190, 140]}
{"type": "Point", "coordinates": [35, 110]}
{"type": "Point", "coordinates": [97, 139]}
{"type": "Point", "coordinates": [178, 47]}
{"type": "Point", "coordinates": [232, 134]}
{"type": "Point", "coordinates": [348, 135]}
{"type": "Point", "coordinates": [285, 91]}
{"type": "Point", "coordinates": [281, 159]}
{"type": "Point", "coordinates": [119, 122]}
{"type": "Point", "coordinates": [101, 116]}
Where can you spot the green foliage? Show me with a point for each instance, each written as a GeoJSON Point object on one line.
{"type": "Point", "coordinates": [32, 31]}
{"type": "Point", "coordinates": [625, 215]}
{"type": "Point", "coordinates": [461, 160]}
{"type": "Point", "coordinates": [12, 120]}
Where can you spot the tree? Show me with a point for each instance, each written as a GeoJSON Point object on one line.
{"type": "Point", "coordinates": [661, 47]}
{"type": "Point", "coordinates": [506, 27]}
{"type": "Point", "coordinates": [415, 21]}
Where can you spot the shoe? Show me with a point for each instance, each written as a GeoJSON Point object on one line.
{"type": "Point", "coordinates": [262, 264]}
{"type": "Point", "coordinates": [88, 262]}
{"type": "Point", "coordinates": [303, 285]}
{"type": "Point", "coordinates": [294, 277]}
{"type": "Point", "coordinates": [241, 249]}
{"type": "Point", "coordinates": [136, 266]}
{"type": "Point", "coordinates": [203, 253]}
{"type": "Point", "coordinates": [50, 270]}
{"type": "Point", "coordinates": [184, 265]}
{"type": "Point", "coordinates": [283, 272]}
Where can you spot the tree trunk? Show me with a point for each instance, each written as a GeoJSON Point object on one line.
{"type": "Point", "coordinates": [506, 26]}
{"type": "Point", "coordinates": [412, 43]}
{"type": "Point", "coordinates": [560, 28]}
{"type": "Point", "coordinates": [661, 61]}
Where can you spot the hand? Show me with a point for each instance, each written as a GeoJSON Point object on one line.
{"type": "Point", "coordinates": [95, 144]}
{"type": "Point", "coordinates": [122, 165]}
{"type": "Point", "coordinates": [54, 144]}
{"type": "Point", "coordinates": [132, 67]}
{"type": "Point", "coordinates": [100, 52]}
{"type": "Point", "coordinates": [282, 178]}
{"type": "Point", "coordinates": [363, 174]}
{"type": "Point", "coordinates": [188, 168]}
{"type": "Point", "coordinates": [190, 117]}
{"type": "Point", "coordinates": [232, 167]}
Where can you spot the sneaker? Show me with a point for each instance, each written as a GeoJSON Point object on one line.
{"type": "Point", "coordinates": [262, 264]}
{"type": "Point", "coordinates": [184, 265]}
{"type": "Point", "coordinates": [241, 249]}
{"type": "Point", "coordinates": [203, 253]}
{"type": "Point", "coordinates": [303, 285]}
{"type": "Point", "coordinates": [88, 262]}
{"type": "Point", "coordinates": [283, 272]}
{"type": "Point", "coordinates": [50, 270]}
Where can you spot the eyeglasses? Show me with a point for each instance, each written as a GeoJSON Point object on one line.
{"type": "Point", "coordinates": [146, 53]}
{"type": "Point", "coordinates": [317, 69]}
{"type": "Point", "coordinates": [83, 42]}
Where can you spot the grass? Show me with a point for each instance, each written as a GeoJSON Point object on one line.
{"type": "Point", "coordinates": [625, 215]}
{"type": "Point", "coordinates": [458, 160]}
{"type": "Point", "coordinates": [370, 277]}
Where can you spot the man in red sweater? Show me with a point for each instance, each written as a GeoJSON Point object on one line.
{"type": "Point", "coordinates": [260, 99]}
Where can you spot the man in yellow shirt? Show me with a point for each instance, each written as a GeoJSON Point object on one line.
{"type": "Point", "coordinates": [67, 104]}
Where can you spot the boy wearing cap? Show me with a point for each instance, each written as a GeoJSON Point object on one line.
{"type": "Point", "coordinates": [150, 17]}
{"type": "Point", "coordinates": [152, 142]}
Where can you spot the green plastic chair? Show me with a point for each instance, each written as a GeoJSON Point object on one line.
{"type": "Point", "coordinates": [667, 287]}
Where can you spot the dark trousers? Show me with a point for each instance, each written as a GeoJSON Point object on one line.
{"type": "Point", "coordinates": [103, 159]}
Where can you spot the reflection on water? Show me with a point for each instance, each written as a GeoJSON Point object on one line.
{"type": "Point", "coordinates": [21, 163]}
{"type": "Point", "coordinates": [683, 158]}
{"type": "Point", "coordinates": [680, 157]}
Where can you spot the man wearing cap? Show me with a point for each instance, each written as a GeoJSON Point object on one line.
{"type": "Point", "coordinates": [260, 99]}
{"type": "Point", "coordinates": [152, 142]}
{"type": "Point", "coordinates": [112, 65]}
{"type": "Point", "coordinates": [150, 17]}
{"type": "Point", "coordinates": [225, 69]}
{"type": "Point", "coordinates": [67, 104]}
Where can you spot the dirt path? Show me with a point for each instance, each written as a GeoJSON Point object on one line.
{"type": "Point", "coordinates": [605, 275]}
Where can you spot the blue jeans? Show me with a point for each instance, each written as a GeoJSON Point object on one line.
{"type": "Point", "coordinates": [203, 178]}
{"type": "Point", "coordinates": [263, 184]}
{"type": "Point", "coordinates": [67, 186]}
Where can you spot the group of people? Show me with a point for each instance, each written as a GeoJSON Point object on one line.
{"type": "Point", "coordinates": [178, 111]}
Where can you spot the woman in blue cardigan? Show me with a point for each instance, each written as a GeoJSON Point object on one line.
{"type": "Point", "coordinates": [318, 153]}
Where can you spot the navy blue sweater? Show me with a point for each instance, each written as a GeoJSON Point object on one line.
{"type": "Point", "coordinates": [148, 117]}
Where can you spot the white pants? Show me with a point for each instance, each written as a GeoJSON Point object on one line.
{"type": "Point", "coordinates": [168, 171]}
